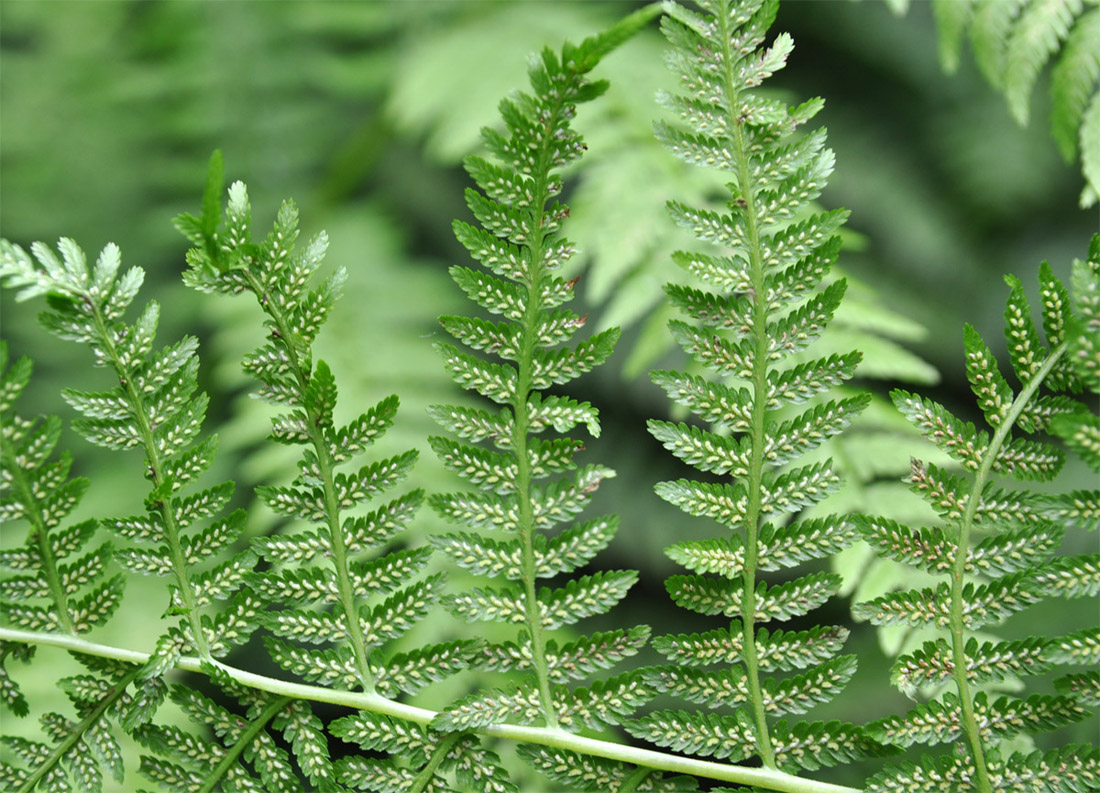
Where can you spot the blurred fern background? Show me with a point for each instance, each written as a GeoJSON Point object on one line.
{"type": "Point", "coordinates": [362, 111]}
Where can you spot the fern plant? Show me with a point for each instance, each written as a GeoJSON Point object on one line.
{"type": "Point", "coordinates": [339, 583]}
{"type": "Point", "coordinates": [60, 585]}
{"type": "Point", "coordinates": [354, 604]}
{"type": "Point", "coordinates": [996, 553]}
{"type": "Point", "coordinates": [154, 407]}
{"type": "Point", "coordinates": [762, 308]}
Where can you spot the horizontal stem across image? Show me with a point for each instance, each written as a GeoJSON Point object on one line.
{"type": "Point", "coordinates": [760, 777]}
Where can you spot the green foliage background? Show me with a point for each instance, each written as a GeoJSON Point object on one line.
{"type": "Point", "coordinates": [361, 111]}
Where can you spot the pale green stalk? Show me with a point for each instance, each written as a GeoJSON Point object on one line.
{"type": "Point", "coordinates": [759, 413]}
{"type": "Point", "coordinates": [958, 628]}
{"type": "Point", "coordinates": [332, 508]}
{"type": "Point", "coordinates": [764, 778]}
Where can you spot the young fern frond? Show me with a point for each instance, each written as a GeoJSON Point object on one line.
{"type": "Point", "coordinates": [332, 586]}
{"type": "Point", "coordinates": [518, 241]}
{"type": "Point", "coordinates": [1012, 41]}
{"type": "Point", "coordinates": [157, 408]}
{"type": "Point", "coordinates": [763, 309]}
{"type": "Point", "coordinates": [1010, 565]}
{"type": "Point", "coordinates": [59, 587]}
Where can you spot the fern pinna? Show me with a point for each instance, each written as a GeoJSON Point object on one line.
{"type": "Point", "coordinates": [996, 550]}
{"type": "Point", "coordinates": [60, 585]}
{"type": "Point", "coordinates": [761, 310]}
{"type": "Point", "coordinates": [519, 242]}
{"type": "Point", "coordinates": [342, 592]}
{"type": "Point", "coordinates": [154, 407]}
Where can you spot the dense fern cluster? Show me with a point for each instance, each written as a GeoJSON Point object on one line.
{"type": "Point", "coordinates": [335, 590]}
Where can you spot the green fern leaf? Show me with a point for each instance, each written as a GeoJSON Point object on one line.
{"type": "Point", "coordinates": [163, 416]}
{"type": "Point", "coordinates": [1036, 35]}
{"type": "Point", "coordinates": [517, 239]}
{"type": "Point", "coordinates": [767, 309]}
{"type": "Point", "coordinates": [720, 736]}
{"type": "Point", "coordinates": [581, 772]}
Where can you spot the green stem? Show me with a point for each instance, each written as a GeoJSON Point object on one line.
{"type": "Point", "coordinates": [630, 784]}
{"type": "Point", "coordinates": [147, 433]}
{"type": "Point", "coordinates": [244, 740]}
{"type": "Point", "coordinates": [34, 516]}
{"type": "Point", "coordinates": [765, 778]}
{"type": "Point", "coordinates": [958, 573]}
{"type": "Point", "coordinates": [62, 748]}
{"type": "Point", "coordinates": [525, 365]}
{"type": "Point", "coordinates": [759, 412]}
{"type": "Point", "coordinates": [282, 336]}
{"type": "Point", "coordinates": [439, 754]}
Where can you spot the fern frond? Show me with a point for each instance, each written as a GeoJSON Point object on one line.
{"type": "Point", "coordinates": [244, 754]}
{"type": "Point", "coordinates": [352, 603]}
{"type": "Point", "coordinates": [517, 239]}
{"type": "Point", "coordinates": [155, 406]}
{"type": "Point", "coordinates": [762, 307]}
{"type": "Point", "coordinates": [56, 563]}
{"type": "Point", "coordinates": [1017, 558]}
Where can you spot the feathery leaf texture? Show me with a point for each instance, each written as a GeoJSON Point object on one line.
{"type": "Point", "coordinates": [60, 585]}
{"type": "Point", "coordinates": [354, 603]}
{"type": "Point", "coordinates": [984, 580]}
{"type": "Point", "coordinates": [59, 581]}
{"type": "Point", "coordinates": [155, 406]}
{"type": "Point", "coordinates": [761, 308]}
{"type": "Point", "coordinates": [245, 754]}
{"type": "Point", "coordinates": [513, 515]}
{"type": "Point", "coordinates": [1012, 40]}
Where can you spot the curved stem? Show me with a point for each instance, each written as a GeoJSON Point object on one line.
{"type": "Point", "coordinates": [759, 412]}
{"type": "Point", "coordinates": [958, 573]}
{"type": "Point", "coordinates": [764, 778]}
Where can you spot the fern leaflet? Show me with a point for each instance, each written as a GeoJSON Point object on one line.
{"type": "Point", "coordinates": [751, 334]}
{"type": "Point", "coordinates": [518, 243]}
{"type": "Point", "coordinates": [1012, 566]}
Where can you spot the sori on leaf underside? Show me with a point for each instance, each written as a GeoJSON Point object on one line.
{"type": "Point", "coordinates": [761, 307]}
{"type": "Point", "coordinates": [995, 550]}
{"type": "Point", "coordinates": [340, 582]}
{"type": "Point", "coordinates": [518, 455]}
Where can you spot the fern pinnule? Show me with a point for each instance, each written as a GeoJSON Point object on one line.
{"type": "Point", "coordinates": [518, 243]}
{"type": "Point", "coordinates": [156, 407]}
{"type": "Point", "coordinates": [763, 309]}
{"type": "Point", "coordinates": [1014, 565]}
